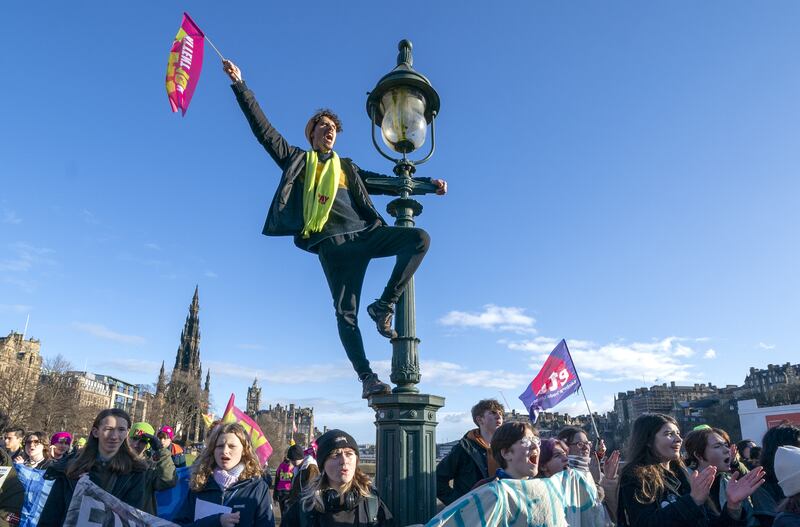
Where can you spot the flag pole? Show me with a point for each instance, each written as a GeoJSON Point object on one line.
{"type": "Point", "coordinates": [213, 46]}
{"type": "Point", "coordinates": [591, 415]}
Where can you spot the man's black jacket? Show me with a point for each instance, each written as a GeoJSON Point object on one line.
{"type": "Point", "coordinates": [285, 217]}
{"type": "Point", "coordinates": [466, 465]}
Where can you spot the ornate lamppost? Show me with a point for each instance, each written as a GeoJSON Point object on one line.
{"type": "Point", "coordinates": [403, 104]}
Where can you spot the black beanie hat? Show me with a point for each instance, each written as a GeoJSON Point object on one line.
{"type": "Point", "coordinates": [330, 441]}
{"type": "Point", "coordinates": [295, 453]}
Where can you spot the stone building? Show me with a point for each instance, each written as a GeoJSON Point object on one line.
{"type": "Point", "coordinates": [290, 422]}
{"type": "Point", "coordinates": [773, 378]}
{"type": "Point", "coordinates": [20, 369]}
{"type": "Point", "coordinates": [103, 391]}
{"type": "Point", "coordinates": [661, 398]}
{"type": "Point", "coordinates": [253, 399]}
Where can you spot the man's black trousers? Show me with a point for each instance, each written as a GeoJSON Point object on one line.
{"type": "Point", "coordinates": [345, 265]}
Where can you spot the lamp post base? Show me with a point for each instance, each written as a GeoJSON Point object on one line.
{"type": "Point", "coordinates": [405, 454]}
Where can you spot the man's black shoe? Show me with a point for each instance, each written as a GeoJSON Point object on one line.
{"type": "Point", "coordinates": [381, 312]}
{"type": "Point", "coordinates": [372, 385]}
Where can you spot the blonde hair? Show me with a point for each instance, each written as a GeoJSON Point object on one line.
{"type": "Point", "coordinates": [312, 494]}
{"type": "Point", "coordinates": [206, 463]}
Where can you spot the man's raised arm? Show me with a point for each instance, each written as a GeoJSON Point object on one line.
{"type": "Point", "coordinates": [272, 141]}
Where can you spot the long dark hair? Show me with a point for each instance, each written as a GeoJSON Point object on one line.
{"type": "Point", "coordinates": [123, 462]}
{"type": "Point", "coordinates": [643, 463]}
{"type": "Point", "coordinates": [781, 435]}
{"type": "Point", "coordinates": [42, 441]}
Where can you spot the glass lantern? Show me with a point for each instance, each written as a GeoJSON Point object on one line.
{"type": "Point", "coordinates": [404, 125]}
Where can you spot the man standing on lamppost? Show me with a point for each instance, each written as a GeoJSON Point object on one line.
{"type": "Point", "coordinates": [323, 201]}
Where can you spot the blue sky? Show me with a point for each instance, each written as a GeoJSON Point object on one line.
{"type": "Point", "coordinates": [622, 174]}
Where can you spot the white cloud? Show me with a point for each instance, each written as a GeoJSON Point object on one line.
{"type": "Point", "coordinates": [451, 374]}
{"type": "Point", "coordinates": [443, 373]}
{"type": "Point", "coordinates": [764, 346]}
{"type": "Point", "coordinates": [88, 217]}
{"type": "Point", "coordinates": [311, 372]}
{"type": "Point", "coordinates": [614, 362]}
{"type": "Point", "coordinates": [211, 274]}
{"type": "Point", "coordinates": [253, 347]}
{"type": "Point", "coordinates": [575, 405]}
{"type": "Point", "coordinates": [10, 217]}
{"type": "Point", "coordinates": [152, 246]}
{"type": "Point", "coordinates": [25, 256]}
{"type": "Point", "coordinates": [100, 331]}
{"type": "Point", "coordinates": [131, 365]}
{"type": "Point", "coordinates": [492, 318]}
{"type": "Point", "coordinates": [15, 308]}
{"type": "Point", "coordinates": [710, 354]}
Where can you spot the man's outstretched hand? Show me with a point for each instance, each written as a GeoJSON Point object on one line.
{"type": "Point", "coordinates": [441, 186]}
{"type": "Point", "coordinates": [232, 70]}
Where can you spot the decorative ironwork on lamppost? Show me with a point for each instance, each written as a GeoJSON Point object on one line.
{"type": "Point", "coordinates": [403, 104]}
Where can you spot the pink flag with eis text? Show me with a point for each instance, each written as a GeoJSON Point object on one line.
{"type": "Point", "coordinates": [184, 64]}
{"type": "Point", "coordinates": [260, 444]}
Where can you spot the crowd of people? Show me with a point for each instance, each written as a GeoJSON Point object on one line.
{"type": "Point", "coordinates": [666, 479]}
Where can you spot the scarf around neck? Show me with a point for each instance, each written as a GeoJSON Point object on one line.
{"type": "Point", "coordinates": [226, 478]}
{"type": "Point", "coordinates": [318, 196]}
{"type": "Point", "coordinates": [491, 462]}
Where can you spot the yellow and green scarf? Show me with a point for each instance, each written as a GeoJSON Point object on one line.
{"type": "Point", "coordinates": [318, 196]}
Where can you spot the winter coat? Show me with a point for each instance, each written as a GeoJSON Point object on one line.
{"type": "Point", "coordinates": [12, 492]}
{"type": "Point", "coordinates": [283, 483]}
{"type": "Point", "coordinates": [285, 217]}
{"type": "Point", "coordinates": [305, 473]}
{"type": "Point", "coordinates": [718, 498]}
{"type": "Point", "coordinates": [136, 488]}
{"type": "Point", "coordinates": [787, 519]}
{"type": "Point", "coordinates": [465, 465]}
{"type": "Point", "coordinates": [250, 497]}
{"type": "Point", "coordinates": [368, 512]}
{"type": "Point", "coordinates": [765, 502]}
{"type": "Point", "coordinates": [674, 507]}
{"type": "Point", "coordinates": [178, 456]}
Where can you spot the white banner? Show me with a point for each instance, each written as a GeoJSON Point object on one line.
{"type": "Point", "coordinates": [91, 506]}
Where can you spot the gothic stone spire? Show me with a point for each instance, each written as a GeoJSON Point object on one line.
{"type": "Point", "coordinates": [188, 357]}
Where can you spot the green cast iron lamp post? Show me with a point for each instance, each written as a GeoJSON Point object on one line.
{"type": "Point", "coordinates": [403, 104]}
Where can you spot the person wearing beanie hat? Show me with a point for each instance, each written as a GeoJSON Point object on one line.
{"type": "Point", "coordinates": [323, 201]}
{"type": "Point", "coordinates": [342, 494]}
{"type": "Point", "coordinates": [285, 475]}
{"type": "Point", "coordinates": [787, 470]}
{"type": "Point", "coordinates": [165, 436]}
{"type": "Point", "coordinates": [60, 443]}
{"type": "Point", "coordinates": [141, 437]}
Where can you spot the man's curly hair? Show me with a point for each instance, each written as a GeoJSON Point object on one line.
{"type": "Point", "coordinates": [322, 112]}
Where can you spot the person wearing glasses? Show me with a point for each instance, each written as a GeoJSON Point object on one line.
{"type": "Point", "coordinates": [37, 453]}
{"type": "Point", "coordinates": [515, 448]}
{"type": "Point", "coordinates": [323, 201]}
{"type": "Point", "coordinates": [579, 457]}
{"type": "Point", "coordinates": [160, 472]}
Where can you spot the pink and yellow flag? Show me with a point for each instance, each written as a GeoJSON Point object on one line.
{"type": "Point", "coordinates": [234, 415]}
{"type": "Point", "coordinates": [184, 64]}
